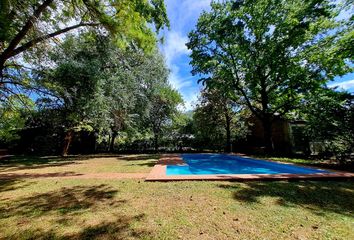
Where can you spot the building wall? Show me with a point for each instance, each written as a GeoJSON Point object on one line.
{"type": "Point", "coordinates": [255, 140]}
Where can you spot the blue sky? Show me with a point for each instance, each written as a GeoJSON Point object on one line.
{"type": "Point", "coordinates": [183, 15]}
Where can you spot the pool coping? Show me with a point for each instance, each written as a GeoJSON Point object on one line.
{"type": "Point", "coordinates": [158, 173]}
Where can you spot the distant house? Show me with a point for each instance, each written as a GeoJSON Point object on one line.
{"type": "Point", "coordinates": [288, 137]}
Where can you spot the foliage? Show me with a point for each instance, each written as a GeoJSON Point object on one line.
{"type": "Point", "coordinates": [330, 120]}
{"type": "Point", "coordinates": [13, 114]}
{"type": "Point", "coordinates": [74, 79]}
{"type": "Point", "coordinates": [164, 105]}
{"type": "Point", "coordinates": [270, 53]}
{"type": "Point", "coordinates": [180, 134]}
{"type": "Point", "coordinates": [218, 121]}
{"type": "Point", "coordinates": [120, 95]}
{"type": "Point", "coordinates": [28, 24]}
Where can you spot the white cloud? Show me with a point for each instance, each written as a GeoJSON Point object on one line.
{"type": "Point", "coordinates": [183, 15]}
{"type": "Point", "coordinates": [191, 99]}
{"type": "Point", "coordinates": [346, 85]}
{"type": "Point", "coordinates": [176, 80]}
{"type": "Point", "coordinates": [175, 46]}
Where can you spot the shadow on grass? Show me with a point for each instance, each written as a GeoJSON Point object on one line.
{"type": "Point", "coordinates": [319, 197]}
{"type": "Point", "coordinates": [18, 176]}
{"type": "Point", "coordinates": [62, 201]}
{"type": "Point", "coordinates": [118, 228]}
{"type": "Point", "coordinates": [135, 160]}
{"type": "Point", "coordinates": [152, 157]}
{"type": "Point", "coordinates": [64, 207]}
{"type": "Point", "coordinates": [12, 184]}
{"type": "Point", "coordinates": [16, 163]}
{"type": "Point", "coordinates": [146, 164]}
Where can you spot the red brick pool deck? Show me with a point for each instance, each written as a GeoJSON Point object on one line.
{"type": "Point", "coordinates": [158, 173]}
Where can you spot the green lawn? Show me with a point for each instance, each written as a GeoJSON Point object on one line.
{"type": "Point", "coordinates": [134, 209]}
{"type": "Point", "coordinates": [321, 163]}
{"type": "Point", "coordinates": [80, 164]}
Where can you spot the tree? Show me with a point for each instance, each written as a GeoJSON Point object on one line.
{"type": "Point", "coordinates": [102, 88]}
{"type": "Point", "coordinates": [164, 104]}
{"type": "Point", "coordinates": [76, 79]}
{"type": "Point", "coordinates": [181, 131]}
{"type": "Point", "coordinates": [330, 120]}
{"type": "Point", "coordinates": [268, 52]}
{"type": "Point", "coordinates": [28, 24]}
{"type": "Point", "coordinates": [13, 116]}
{"type": "Point", "coordinates": [132, 89]}
{"type": "Point", "coordinates": [218, 120]}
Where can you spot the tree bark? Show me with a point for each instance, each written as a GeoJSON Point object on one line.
{"type": "Point", "coordinates": [67, 141]}
{"type": "Point", "coordinates": [268, 135]}
{"type": "Point", "coordinates": [228, 131]}
{"type": "Point", "coordinates": [22, 33]}
{"type": "Point", "coordinates": [156, 142]}
{"type": "Point", "coordinates": [113, 138]}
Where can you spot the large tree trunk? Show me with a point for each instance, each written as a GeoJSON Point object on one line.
{"type": "Point", "coordinates": [268, 135]}
{"type": "Point", "coordinates": [113, 138]}
{"type": "Point", "coordinates": [228, 132]}
{"type": "Point", "coordinates": [67, 141]}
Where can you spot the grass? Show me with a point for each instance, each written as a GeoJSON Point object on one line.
{"type": "Point", "coordinates": [79, 164]}
{"type": "Point", "coordinates": [134, 209]}
{"type": "Point", "coordinates": [321, 163]}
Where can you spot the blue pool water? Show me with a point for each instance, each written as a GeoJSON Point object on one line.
{"type": "Point", "coordinates": [199, 164]}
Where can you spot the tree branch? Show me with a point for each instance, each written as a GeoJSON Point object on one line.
{"type": "Point", "coordinates": [22, 33]}
{"type": "Point", "coordinates": [42, 38]}
{"type": "Point", "coordinates": [236, 81]}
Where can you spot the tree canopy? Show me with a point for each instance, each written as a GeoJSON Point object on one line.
{"type": "Point", "coordinates": [218, 120]}
{"type": "Point", "coordinates": [97, 87]}
{"type": "Point", "coordinates": [269, 53]}
{"type": "Point", "coordinates": [28, 24]}
{"type": "Point", "coordinates": [330, 120]}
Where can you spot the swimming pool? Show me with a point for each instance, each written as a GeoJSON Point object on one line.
{"type": "Point", "coordinates": [206, 164]}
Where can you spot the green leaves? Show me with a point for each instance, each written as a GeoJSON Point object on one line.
{"type": "Point", "coordinates": [28, 26]}
{"type": "Point", "coordinates": [214, 116]}
{"type": "Point", "coordinates": [13, 117]}
{"type": "Point", "coordinates": [121, 93]}
{"type": "Point", "coordinates": [268, 52]}
{"type": "Point", "coordinates": [330, 120]}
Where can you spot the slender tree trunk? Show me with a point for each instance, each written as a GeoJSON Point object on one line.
{"type": "Point", "coordinates": [2, 65]}
{"type": "Point", "coordinates": [228, 131]}
{"type": "Point", "coordinates": [113, 138]}
{"type": "Point", "coordinates": [67, 141]}
{"type": "Point", "coordinates": [107, 144]}
{"type": "Point", "coordinates": [156, 142]}
{"type": "Point", "coordinates": [268, 135]}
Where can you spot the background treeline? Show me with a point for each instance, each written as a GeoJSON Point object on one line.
{"type": "Point", "coordinates": [87, 76]}
{"type": "Point", "coordinates": [96, 95]}
{"type": "Point", "coordinates": [275, 60]}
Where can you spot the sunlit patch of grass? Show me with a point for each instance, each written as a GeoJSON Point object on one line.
{"type": "Point", "coordinates": [294, 160]}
